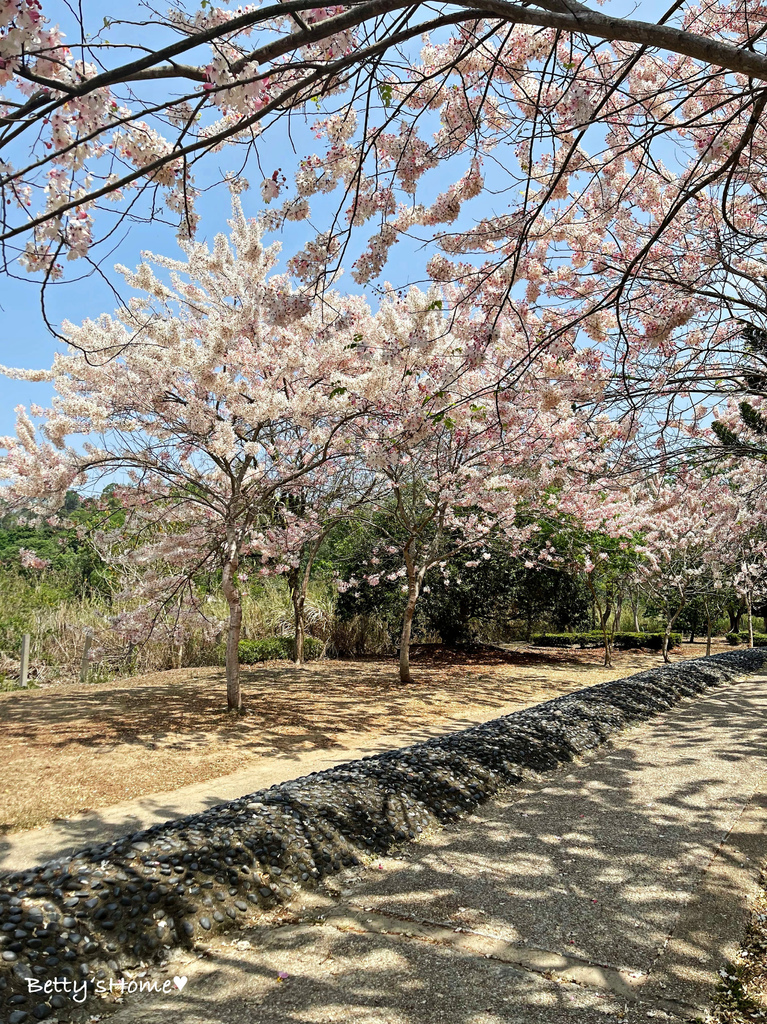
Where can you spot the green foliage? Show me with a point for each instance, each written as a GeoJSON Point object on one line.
{"type": "Point", "coordinates": [760, 639]}
{"type": "Point", "coordinates": [753, 419]}
{"type": "Point", "coordinates": [594, 638]}
{"type": "Point", "coordinates": [552, 595]}
{"type": "Point", "coordinates": [754, 382]}
{"type": "Point", "coordinates": [13, 626]}
{"type": "Point", "coordinates": [23, 603]}
{"type": "Point", "coordinates": [76, 570]}
{"type": "Point", "coordinates": [12, 685]}
{"type": "Point", "coordinates": [651, 641]}
{"type": "Point", "coordinates": [727, 437]}
{"type": "Point", "coordinates": [459, 602]}
{"type": "Point", "coordinates": [755, 379]}
{"type": "Point", "coordinates": [463, 601]}
{"type": "Point", "coordinates": [556, 639]}
{"type": "Point", "coordinates": [277, 648]}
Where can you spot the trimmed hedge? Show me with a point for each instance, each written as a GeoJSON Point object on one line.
{"type": "Point", "coordinates": [760, 639]}
{"type": "Point", "coordinates": [653, 641]}
{"type": "Point", "coordinates": [277, 648]}
{"type": "Point", "coordinates": [621, 641]}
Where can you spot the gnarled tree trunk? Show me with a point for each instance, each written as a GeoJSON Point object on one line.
{"type": "Point", "coordinates": [635, 610]}
{"type": "Point", "coordinates": [669, 627]}
{"type": "Point", "coordinates": [604, 618]}
{"type": "Point", "coordinates": [413, 588]}
{"type": "Point", "coordinates": [298, 582]}
{"type": "Point", "coordinates": [735, 615]}
{"type": "Point", "coordinates": [299, 625]}
{"type": "Point", "coordinates": [232, 595]}
{"type": "Point", "coordinates": [708, 626]}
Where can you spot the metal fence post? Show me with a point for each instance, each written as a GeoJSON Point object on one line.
{"type": "Point", "coordinates": [24, 664]}
{"type": "Point", "coordinates": [86, 650]}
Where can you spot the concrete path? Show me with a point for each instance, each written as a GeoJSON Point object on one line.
{"type": "Point", "coordinates": [64, 837]}
{"type": "Point", "coordinates": [613, 890]}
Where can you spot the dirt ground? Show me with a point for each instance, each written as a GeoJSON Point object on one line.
{"type": "Point", "coordinates": [71, 748]}
{"type": "Point", "coordinates": [742, 997]}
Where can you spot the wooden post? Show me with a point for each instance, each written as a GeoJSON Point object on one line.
{"type": "Point", "coordinates": [84, 662]}
{"type": "Point", "coordinates": [24, 665]}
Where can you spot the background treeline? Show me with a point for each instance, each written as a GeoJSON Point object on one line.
{"type": "Point", "coordinates": [501, 599]}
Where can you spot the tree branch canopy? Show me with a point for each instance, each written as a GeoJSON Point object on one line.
{"type": "Point", "coordinates": [599, 180]}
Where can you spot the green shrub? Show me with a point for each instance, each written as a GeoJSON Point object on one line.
{"type": "Point", "coordinates": [733, 639]}
{"type": "Point", "coordinates": [12, 628]}
{"type": "Point", "coordinates": [555, 639]}
{"type": "Point", "coordinates": [13, 685]}
{"type": "Point", "coordinates": [277, 648]}
{"type": "Point", "coordinates": [594, 638]}
{"type": "Point", "coordinates": [760, 639]}
{"type": "Point", "coordinates": [650, 641]}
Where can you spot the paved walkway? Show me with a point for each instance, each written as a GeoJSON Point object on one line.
{"type": "Point", "coordinates": [612, 890]}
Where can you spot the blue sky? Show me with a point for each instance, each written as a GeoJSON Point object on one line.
{"type": "Point", "coordinates": [25, 340]}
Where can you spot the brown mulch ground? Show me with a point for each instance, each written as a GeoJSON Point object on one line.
{"type": "Point", "coordinates": [71, 748]}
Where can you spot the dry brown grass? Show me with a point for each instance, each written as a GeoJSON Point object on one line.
{"type": "Point", "coordinates": [76, 747]}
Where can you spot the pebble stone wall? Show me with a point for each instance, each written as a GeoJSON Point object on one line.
{"type": "Point", "coordinates": [114, 905]}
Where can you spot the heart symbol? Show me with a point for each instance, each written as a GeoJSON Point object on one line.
{"type": "Point", "coordinates": [180, 982]}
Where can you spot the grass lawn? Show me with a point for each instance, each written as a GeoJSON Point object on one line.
{"type": "Point", "coordinates": [78, 747]}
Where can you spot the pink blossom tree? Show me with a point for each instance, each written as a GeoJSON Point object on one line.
{"type": "Point", "coordinates": [571, 112]}
{"type": "Point", "coordinates": [686, 521]}
{"type": "Point", "coordinates": [210, 396]}
{"type": "Point", "coordinates": [603, 552]}
{"type": "Point", "coordinates": [303, 516]}
{"type": "Point", "coordinates": [462, 446]}
{"type": "Point", "coordinates": [749, 576]}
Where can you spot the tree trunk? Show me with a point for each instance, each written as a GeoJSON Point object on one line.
{"type": "Point", "coordinates": [299, 624]}
{"type": "Point", "coordinates": [298, 600]}
{"type": "Point", "coordinates": [635, 610]}
{"type": "Point", "coordinates": [749, 608]}
{"type": "Point", "coordinates": [232, 595]}
{"type": "Point", "coordinates": [618, 613]}
{"type": "Point", "coordinates": [298, 582]}
{"type": "Point", "coordinates": [669, 627]}
{"type": "Point", "coordinates": [735, 617]}
{"type": "Point", "coordinates": [407, 622]}
{"type": "Point", "coordinates": [405, 675]}
{"type": "Point", "coordinates": [606, 639]}
{"type": "Point", "coordinates": [708, 627]}
{"type": "Point", "coordinates": [604, 617]}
